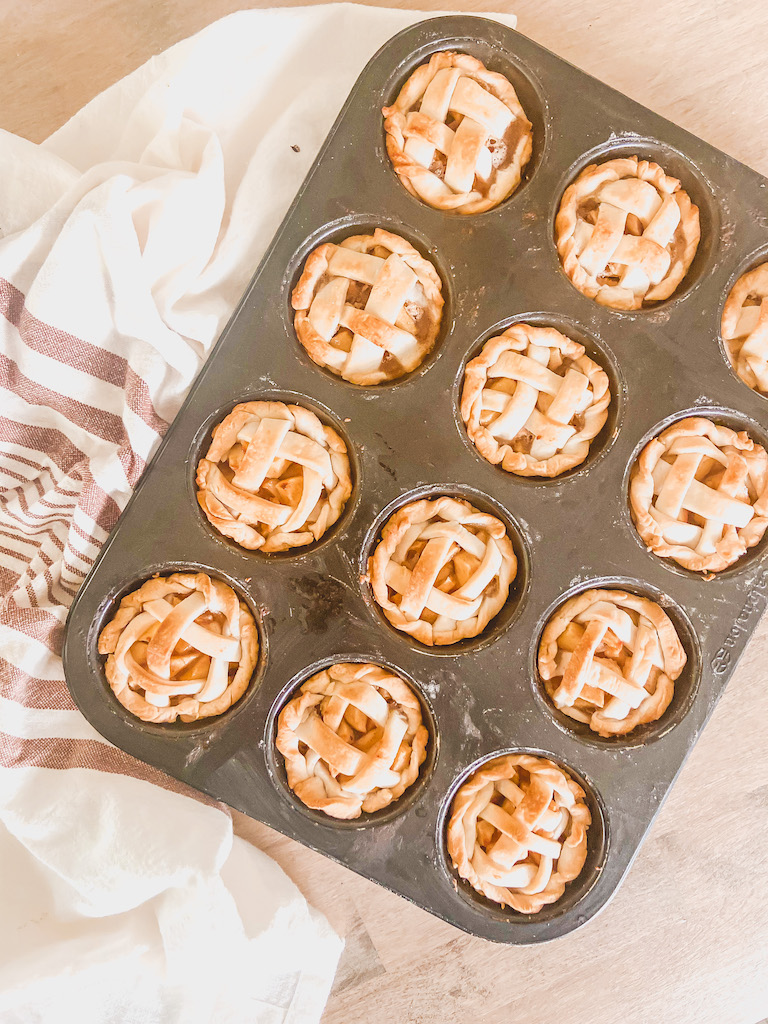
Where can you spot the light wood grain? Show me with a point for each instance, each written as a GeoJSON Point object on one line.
{"type": "Point", "coordinates": [685, 941]}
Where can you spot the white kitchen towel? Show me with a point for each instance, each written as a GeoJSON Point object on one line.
{"type": "Point", "coordinates": [125, 241]}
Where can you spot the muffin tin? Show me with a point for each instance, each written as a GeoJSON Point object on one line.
{"type": "Point", "coordinates": [481, 697]}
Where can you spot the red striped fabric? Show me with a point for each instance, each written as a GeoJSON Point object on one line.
{"type": "Point", "coordinates": [78, 354]}
{"type": "Point", "coordinates": [54, 514]}
{"type": "Point", "coordinates": [61, 754]}
{"type": "Point", "coordinates": [31, 692]}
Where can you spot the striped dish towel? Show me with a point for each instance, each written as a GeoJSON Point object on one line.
{"type": "Point", "coordinates": [125, 241]}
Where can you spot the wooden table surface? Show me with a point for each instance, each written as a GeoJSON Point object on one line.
{"type": "Point", "coordinates": [685, 941]}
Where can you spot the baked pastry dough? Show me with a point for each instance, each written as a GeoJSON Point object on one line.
{"type": "Point", "coordinates": [610, 659]}
{"type": "Point", "coordinates": [457, 135]}
{"type": "Point", "coordinates": [699, 494]}
{"type": "Point", "coordinates": [369, 308]}
{"type": "Point", "coordinates": [533, 400]}
{"type": "Point", "coordinates": [518, 831]}
{"type": "Point", "coordinates": [626, 233]}
{"type": "Point", "coordinates": [745, 328]}
{"type": "Point", "coordinates": [442, 570]}
{"type": "Point", "coordinates": [181, 646]}
{"type": "Point", "coordinates": [274, 477]}
{"type": "Point", "coordinates": [353, 739]}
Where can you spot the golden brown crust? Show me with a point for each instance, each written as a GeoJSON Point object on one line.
{"type": "Point", "coordinates": [604, 646]}
{"type": "Point", "coordinates": [442, 570]}
{"type": "Point", "coordinates": [531, 836]}
{"type": "Point", "coordinates": [353, 739]}
{"type": "Point", "coordinates": [512, 399]}
{"type": "Point", "coordinates": [400, 316]}
{"type": "Point", "coordinates": [744, 328]}
{"type": "Point", "coordinates": [714, 505]}
{"type": "Point", "coordinates": [626, 233]}
{"type": "Point", "coordinates": [274, 477]}
{"type": "Point", "coordinates": [157, 674]}
{"type": "Point", "coordinates": [488, 154]}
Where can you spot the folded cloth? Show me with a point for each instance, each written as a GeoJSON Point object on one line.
{"type": "Point", "coordinates": [125, 241]}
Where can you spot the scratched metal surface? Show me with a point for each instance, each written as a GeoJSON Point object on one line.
{"type": "Point", "coordinates": [481, 697]}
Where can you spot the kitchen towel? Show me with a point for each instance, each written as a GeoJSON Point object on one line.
{"type": "Point", "coordinates": [126, 239]}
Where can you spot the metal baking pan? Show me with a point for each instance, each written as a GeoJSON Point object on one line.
{"type": "Point", "coordinates": [406, 439]}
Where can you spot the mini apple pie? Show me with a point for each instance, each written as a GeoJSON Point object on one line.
{"type": "Point", "coordinates": [533, 401]}
{"type": "Point", "coordinates": [353, 739]}
{"type": "Point", "coordinates": [369, 308]}
{"type": "Point", "coordinates": [518, 831]}
{"type": "Point", "coordinates": [442, 570]}
{"type": "Point", "coordinates": [457, 135]}
{"type": "Point", "coordinates": [274, 477]}
{"type": "Point", "coordinates": [745, 328]}
{"type": "Point", "coordinates": [699, 494]}
{"type": "Point", "coordinates": [610, 659]}
{"type": "Point", "coordinates": [181, 646]}
{"type": "Point", "coordinates": [626, 233]}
